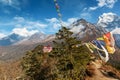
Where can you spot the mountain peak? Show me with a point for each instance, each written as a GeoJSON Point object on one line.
{"type": "Point", "coordinates": [10, 39]}
{"type": "Point", "coordinates": [106, 17]}
{"type": "Point", "coordinates": [37, 35]}
{"type": "Point", "coordinates": [76, 23]}
{"type": "Point", "coordinates": [84, 30]}
{"type": "Point", "coordinates": [81, 20]}
{"type": "Point", "coordinates": [109, 20]}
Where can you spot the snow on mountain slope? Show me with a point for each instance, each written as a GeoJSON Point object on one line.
{"type": "Point", "coordinates": [116, 34]}
{"type": "Point", "coordinates": [106, 18]}
{"type": "Point", "coordinates": [84, 30]}
{"type": "Point", "coordinates": [35, 38]}
{"type": "Point", "coordinates": [109, 20]}
{"type": "Point", "coordinates": [10, 39]}
{"type": "Point", "coordinates": [116, 31]}
{"type": "Point", "coordinates": [16, 39]}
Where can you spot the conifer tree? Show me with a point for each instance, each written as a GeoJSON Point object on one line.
{"type": "Point", "coordinates": [65, 62]}
{"type": "Point", "coordinates": [31, 65]}
{"type": "Point", "coordinates": [36, 65]}
{"type": "Point", "coordinates": [71, 61]}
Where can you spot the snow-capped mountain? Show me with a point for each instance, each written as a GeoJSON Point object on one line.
{"type": "Point", "coordinates": [10, 39]}
{"type": "Point", "coordinates": [15, 39]}
{"type": "Point", "coordinates": [17, 49]}
{"type": "Point", "coordinates": [116, 34]}
{"type": "Point", "coordinates": [35, 38]}
{"type": "Point", "coordinates": [84, 30]}
{"type": "Point", "coordinates": [109, 20]}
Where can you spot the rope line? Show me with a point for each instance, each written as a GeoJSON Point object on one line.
{"type": "Point", "coordinates": [58, 12]}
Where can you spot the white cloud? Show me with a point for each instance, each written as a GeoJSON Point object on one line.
{"type": "Point", "coordinates": [2, 35]}
{"type": "Point", "coordinates": [18, 25]}
{"type": "Point", "coordinates": [5, 2]}
{"type": "Point", "coordinates": [107, 3]}
{"type": "Point", "coordinates": [22, 22]}
{"type": "Point", "coordinates": [7, 23]}
{"type": "Point", "coordinates": [52, 20]}
{"type": "Point", "coordinates": [85, 9]}
{"type": "Point", "coordinates": [85, 15]}
{"type": "Point", "coordinates": [56, 26]}
{"type": "Point", "coordinates": [93, 8]}
{"type": "Point", "coordinates": [53, 23]}
{"type": "Point", "coordinates": [12, 3]}
{"type": "Point", "coordinates": [24, 32]}
{"type": "Point", "coordinates": [22, 25]}
{"type": "Point", "coordinates": [19, 19]}
{"type": "Point", "coordinates": [103, 3]}
{"type": "Point", "coordinates": [71, 20]}
{"type": "Point", "coordinates": [35, 24]}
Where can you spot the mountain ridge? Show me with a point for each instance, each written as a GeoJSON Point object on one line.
{"type": "Point", "coordinates": [85, 32]}
{"type": "Point", "coordinates": [110, 21]}
{"type": "Point", "coordinates": [10, 39]}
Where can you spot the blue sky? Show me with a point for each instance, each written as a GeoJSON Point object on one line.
{"type": "Point", "coordinates": [26, 17]}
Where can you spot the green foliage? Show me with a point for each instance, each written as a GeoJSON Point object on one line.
{"type": "Point", "coordinates": [65, 62]}
{"type": "Point", "coordinates": [36, 65]}
{"type": "Point", "coordinates": [31, 65]}
{"type": "Point", "coordinates": [71, 61]}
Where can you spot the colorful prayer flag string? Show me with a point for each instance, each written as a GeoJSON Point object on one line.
{"type": "Point", "coordinates": [58, 12]}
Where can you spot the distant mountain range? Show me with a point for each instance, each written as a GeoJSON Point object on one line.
{"type": "Point", "coordinates": [15, 39]}
{"type": "Point", "coordinates": [10, 39]}
{"type": "Point", "coordinates": [14, 46]}
{"type": "Point", "coordinates": [82, 29]}
{"type": "Point", "coordinates": [35, 38]}
{"type": "Point", "coordinates": [15, 50]}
